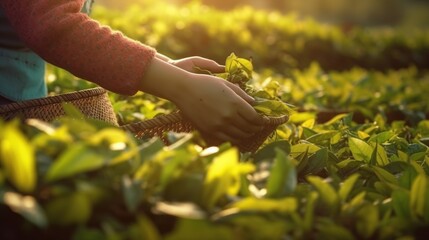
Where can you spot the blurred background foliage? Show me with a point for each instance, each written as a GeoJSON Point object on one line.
{"type": "Point", "coordinates": [338, 35]}
{"type": "Point", "coordinates": [406, 13]}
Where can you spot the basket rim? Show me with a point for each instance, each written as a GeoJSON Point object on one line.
{"type": "Point", "coordinates": [176, 116]}
{"type": "Point", "coordinates": [64, 97]}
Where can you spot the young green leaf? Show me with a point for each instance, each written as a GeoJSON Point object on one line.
{"type": "Point", "coordinates": [132, 192]}
{"type": "Point", "coordinates": [419, 196]}
{"type": "Point", "coordinates": [223, 176]}
{"type": "Point", "coordinates": [316, 162]}
{"type": "Point", "coordinates": [347, 186]}
{"type": "Point", "coordinates": [379, 156]}
{"type": "Point", "coordinates": [282, 180]}
{"type": "Point", "coordinates": [144, 228]}
{"type": "Point", "coordinates": [18, 158]}
{"type": "Point", "coordinates": [69, 209]}
{"type": "Point", "coordinates": [271, 107]}
{"type": "Point", "coordinates": [327, 193]}
{"type": "Point", "coordinates": [282, 205]}
{"type": "Point", "coordinates": [269, 151]}
{"type": "Point", "coordinates": [367, 220]}
{"type": "Point", "coordinates": [401, 203]}
{"type": "Point", "coordinates": [78, 158]}
{"type": "Point", "coordinates": [319, 138]}
{"type": "Point", "coordinates": [328, 229]}
{"type": "Point", "coordinates": [361, 150]}
{"type": "Point", "coordinates": [384, 175]}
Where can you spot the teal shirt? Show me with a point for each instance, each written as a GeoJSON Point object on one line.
{"type": "Point", "coordinates": [22, 72]}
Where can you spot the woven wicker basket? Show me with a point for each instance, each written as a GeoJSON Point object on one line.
{"type": "Point", "coordinates": [94, 103]}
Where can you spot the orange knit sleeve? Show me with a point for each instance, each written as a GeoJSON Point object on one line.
{"type": "Point", "coordinates": [58, 32]}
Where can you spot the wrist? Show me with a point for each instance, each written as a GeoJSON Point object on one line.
{"type": "Point", "coordinates": [163, 57]}
{"type": "Point", "coordinates": [165, 80]}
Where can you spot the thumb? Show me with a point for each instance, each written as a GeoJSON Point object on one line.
{"type": "Point", "coordinates": [240, 92]}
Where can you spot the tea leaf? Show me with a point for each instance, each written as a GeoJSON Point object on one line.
{"type": "Point", "coordinates": [317, 162]}
{"type": "Point", "coordinates": [419, 194]}
{"type": "Point", "coordinates": [401, 203]}
{"type": "Point", "coordinates": [384, 175]}
{"type": "Point", "coordinates": [361, 150]}
{"type": "Point", "coordinates": [199, 229]}
{"type": "Point", "coordinates": [271, 107]}
{"type": "Point", "coordinates": [347, 186]}
{"type": "Point", "coordinates": [320, 137]}
{"type": "Point", "coordinates": [282, 205]}
{"type": "Point", "coordinates": [18, 158]}
{"type": "Point", "coordinates": [367, 220]}
{"type": "Point", "coordinates": [283, 177]}
{"type": "Point", "coordinates": [327, 193]}
{"type": "Point", "coordinates": [69, 209]}
{"type": "Point", "coordinates": [223, 176]}
{"type": "Point", "coordinates": [379, 156]}
{"type": "Point", "coordinates": [331, 230]}
{"type": "Point", "coordinates": [132, 192]}
{"type": "Point", "coordinates": [78, 158]}
{"type": "Point", "coordinates": [269, 151]}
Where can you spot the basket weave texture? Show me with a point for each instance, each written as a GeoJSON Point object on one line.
{"type": "Point", "coordinates": [94, 103]}
{"type": "Point", "coordinates": [174, 122]}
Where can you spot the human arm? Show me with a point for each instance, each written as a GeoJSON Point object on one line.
{"type": "Point", "coordinates": [63, 36]}
{"type": "Point", "coordinates": [220, 110]}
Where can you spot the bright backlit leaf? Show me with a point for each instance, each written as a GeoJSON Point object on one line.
{"type": "Point", "coordinates": [281, 205]}
{"type": "Point", "coordinates": [18, 158]}
{"type": "Point", "coordinates": [223, 176]}
{"type": "Point", "coordinates": [360, 149]}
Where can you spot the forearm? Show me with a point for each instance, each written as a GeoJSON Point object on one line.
{"type": "Point", "coordinates": [163, 57]}
{"type": "Point", "coordinates": [165, 80]}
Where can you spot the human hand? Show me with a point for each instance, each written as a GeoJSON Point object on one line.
{"type": "Point", "coordinates": [193, 64]}
{"type": "Point", "coordinates": [220, 110]}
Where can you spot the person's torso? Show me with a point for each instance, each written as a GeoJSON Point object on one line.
{"type": "Point", "coordinates": [8, 37]}
{"type": "Point", "coordinates": [22, 72]}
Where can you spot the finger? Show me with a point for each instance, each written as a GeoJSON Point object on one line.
{"type": "Point", "coordinates": [251, 116]}
{"type": "Point", "coordinates": [247, 126]}
{"type": "Point", "coordinates": [246, 111]}
{"type": "Point", "coordinates": [231, 131]}
{"type": "Point", "coordinates": [208, 64]}
{"type": "Point", "coordinates": [216, 138]}
{"type": "Point", "coordinates": [210, 140]}
{"type": "Point", "coordinates": [237, 131]}
{"type": "Point", "coordinates": [240, 92]}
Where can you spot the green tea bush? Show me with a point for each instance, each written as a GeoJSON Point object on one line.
{"type": "Point", "coordinates": [273, 40]}
{"type": "Point", "coordinates": [77, 179]}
